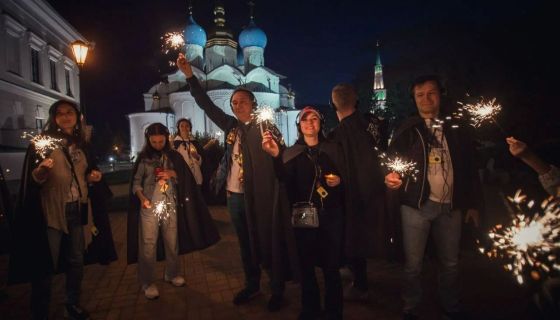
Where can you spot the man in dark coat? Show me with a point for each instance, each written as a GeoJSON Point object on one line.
{"type": "Point", "coordinates": [364, 231]}
{"type": "Point", "coordinates": [195, 228]}
{"type": "Point", "coordinates": [432, 204]}
{"type": "Point", "coordinates": [252, 190]}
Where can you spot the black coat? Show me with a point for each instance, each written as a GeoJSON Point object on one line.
{"type": "Point", "coordinates": [195, 228]}
{"type": "Point", "coordinates": [411, 141]}
{"type": "Point", "coordinates": [30, 256]}
{"type": "Point", "coordinates": [367, 223]}
{"type": "Point", "coordinates": [262, 203]}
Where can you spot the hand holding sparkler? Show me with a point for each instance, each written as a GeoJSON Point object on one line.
{"type": "Point", "coordinates": [332, 180]}
{"type": "Point", "coordinates": [41, 173]}
{"type": "Point", "coordinates": [269, 145]}
{"type": "Point", "coordinates": [94, 176]}
{"type": "Point", "coordinates": [393, 181]}
{"type": "Point", "coordinates": [184, 65]}
{"type": "Point", "coordinates": [166, 174]}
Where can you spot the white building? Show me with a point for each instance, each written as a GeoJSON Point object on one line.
{"type": "Point", "coordinates": [36, 69]}
{"type": "Point", "coordinates": [221, 67]}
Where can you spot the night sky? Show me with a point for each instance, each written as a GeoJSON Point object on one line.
{"type": "Point", "coordinates": [502, 50]}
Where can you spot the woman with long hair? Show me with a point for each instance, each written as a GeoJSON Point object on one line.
{"type": "Point", "coordinates": [53, 224]}
{"type": "Point", "coordinates": [162, 192]}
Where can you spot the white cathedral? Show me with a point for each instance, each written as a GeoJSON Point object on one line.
{"type": "Point", "coordinates": [221, 64]}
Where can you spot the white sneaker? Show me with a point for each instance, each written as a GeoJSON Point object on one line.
{"type": "Point", "coordinates": [177, 281]}
{"type": "Point", "coordinates": [151, 292]}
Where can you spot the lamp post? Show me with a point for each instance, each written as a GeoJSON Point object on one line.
{"type": "Point", "coordinates": [80, 50]}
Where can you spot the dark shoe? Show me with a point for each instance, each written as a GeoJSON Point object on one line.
{"type": "Point", "coordinates": [75, 312]}
{"type": "Point", "coordinates": [410, 316]}
{"type": "Point", "coordinates": [275, 303]}
{"type": "Point", "coordinates": [245, 295]}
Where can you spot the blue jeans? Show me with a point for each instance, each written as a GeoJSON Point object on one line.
{"type": "Point", "coordinates": [445, 225]}
{"type": "Point", "coordinates": [236, 208]}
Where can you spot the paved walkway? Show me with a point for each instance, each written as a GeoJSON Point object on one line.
{"type": "Point", "coordinates": [215, 274]}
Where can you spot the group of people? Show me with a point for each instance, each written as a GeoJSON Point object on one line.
{"type": "Point", "coordinates": [319, 203]}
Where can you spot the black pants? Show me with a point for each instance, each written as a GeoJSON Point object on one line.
{"type": "Point", "coordinates": [73, 256]}
{"type": "Point", "coordinates": [323, 247]}
{"type": "Point", "coordinates": [358, 266]}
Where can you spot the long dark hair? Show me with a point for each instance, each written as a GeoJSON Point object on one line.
{"type": "Point", "coordinates": [78, 135]}
{"type": "Point", "coordinates": [155, 129]}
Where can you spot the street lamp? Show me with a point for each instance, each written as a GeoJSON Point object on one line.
{"type": "Point", "coordinates": [80, 50]}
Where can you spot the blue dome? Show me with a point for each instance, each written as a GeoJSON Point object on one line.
{"type": "Point", "coordinates": [194, 34]}
{"type": "Point", "coordinates": [252, 36]}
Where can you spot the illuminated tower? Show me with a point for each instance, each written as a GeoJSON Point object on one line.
{"type": "Point", "coordinates": [379, 92]}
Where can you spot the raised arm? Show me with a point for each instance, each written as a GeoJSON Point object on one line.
{"type": "Point", "coordinates": [215, 113]}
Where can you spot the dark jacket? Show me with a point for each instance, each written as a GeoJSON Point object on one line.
{"type": "Point", "coordinates": [366, 221]}
{"type": "Point", "coordinates": [411, 141]}
{"type": "Point", "coordinates": [195, 228]}
{"type": "Point", "coordinates": [264, 222]}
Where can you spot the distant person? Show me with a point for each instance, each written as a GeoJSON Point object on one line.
{"type": "Point", "coordinates": [365, 228]}
{"type": "Point", "coordinates": [52, 224]}
{"type": "Point", "coordinates": [160, 179]}
{"type": "Point", "coordinates": [309, 171]}
{"type": "Point", "coordinates": [446, 185]}
{"type": "Point", "coordinates": [189, 148]}
{"type": "Point", "coordinates": [247, 173]}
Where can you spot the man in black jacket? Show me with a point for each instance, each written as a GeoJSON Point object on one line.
{"type": "Point", "coordinates": [446, 185]}
{"type": "Point", "coordinates": [247, 173]}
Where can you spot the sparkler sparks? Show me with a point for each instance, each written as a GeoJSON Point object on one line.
{"type": "Point", "coordinates": [480, 112]}
{"type": "Point", "coordinates": [43, 145]}
{"type": "Point", "coordinates": [172, 41]}
{"type": "Point", "coordinates": [264, 116]}
{"type": "Point", "coordinates": [531, 242]}
{"type": "Point", "coordinates": [162, 210]}
{"type": "Point", "coordinates": [399, 165]}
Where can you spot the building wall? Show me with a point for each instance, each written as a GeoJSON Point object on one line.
{"type": "Point", "coordinates": [34, 60]}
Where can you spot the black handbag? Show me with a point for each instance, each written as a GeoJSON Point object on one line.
{"type": "Point", "coordinates": [306, 214]}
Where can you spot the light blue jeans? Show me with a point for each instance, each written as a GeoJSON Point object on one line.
{"type": "Point", "coordinates": [147, 244]}
{"type": "Point", "coordinates": [445, 226]}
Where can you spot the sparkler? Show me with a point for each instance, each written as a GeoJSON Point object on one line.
{"type": "Point", "coordinates": [43, 144]}
{"type": "Point", "coordinates": [163, 209]}
{"type": "Point", "coordinates": [264, 115]}
{"type": "Point", "coordinates": [398, 165]}
{"type": "Point", "coordinates": [531, 242]}
{"type": "Point", "coordinates": [172, 41]}
{"type": "Point", "coordinates": [481, 112]}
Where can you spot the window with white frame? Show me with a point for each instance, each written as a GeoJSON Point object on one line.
{"type": "Point", "coordinates": [54, 82]}
{"type": "Point", "coordinates": [67, 78]}
{"type": "Point", "coordinates": [14, 35]}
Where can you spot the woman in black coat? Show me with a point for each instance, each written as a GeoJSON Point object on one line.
{"type": "Point", "coordinates": [309, 172]}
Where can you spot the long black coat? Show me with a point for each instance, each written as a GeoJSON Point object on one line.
{"type": "Point", "coordinates": [366, 232]}
{"type": "Point", "coordinates": [262, 203]}
{"type": "Point", "coordinates": [30, 256]}
{"type": "Point", "coordinates": [195, 228]}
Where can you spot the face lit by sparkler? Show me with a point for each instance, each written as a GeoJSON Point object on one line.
{"type": "Point", "coordinates": [427, 99]}
{"type": "Point", "coordinates": [242, 105]}
{"type": "Point", "coordinates": [66, 118]}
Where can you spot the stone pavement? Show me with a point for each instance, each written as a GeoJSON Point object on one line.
{"type": "Point", "coordinates": [215, 274]}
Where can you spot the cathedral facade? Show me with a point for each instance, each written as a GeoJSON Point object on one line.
{"type": "Point", "coordinates": [221, 64]}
